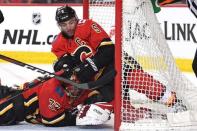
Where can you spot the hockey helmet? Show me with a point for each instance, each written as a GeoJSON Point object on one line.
{"type": "Point", "coordinates": [64, 13]}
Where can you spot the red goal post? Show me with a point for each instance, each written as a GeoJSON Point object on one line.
{"type": "Point", "coordinates": [118, 22]}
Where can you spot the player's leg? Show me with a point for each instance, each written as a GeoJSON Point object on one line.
{"type": "Point", "coordinates": [11, 110]}
{"type": "Point", "coordinates": [19, 104]}
{"type": "Point", "coordinates": [99, 106]}
{"type": "Point", "coordinates": [136, 78]}
{"type": "Point", "coordinates": [144, 83]}
{"type": "Point", "coordinates": [103, 94]}
{"type": "Point", "coordinates": [106, 92]}
{"type": "Point", "coordinates": [152, 88]}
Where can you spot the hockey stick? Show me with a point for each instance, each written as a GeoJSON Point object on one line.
{"type": "Point", "coordinates": [90, 85]}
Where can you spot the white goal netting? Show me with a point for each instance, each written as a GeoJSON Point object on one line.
{"type": "Point", "coordinates": [154, 92]}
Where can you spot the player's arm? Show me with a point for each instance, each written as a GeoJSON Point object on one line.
{"type": "Point", "coordinates": [92, 65]}
{"type": "Point", "coordinates": [58, 47]}
{"type": "Point", "coordinates": [85, 70]}
{"type": "Point", "coordinates": [104, 56]}
{"type": "Point", "coordinates": [11, 110]}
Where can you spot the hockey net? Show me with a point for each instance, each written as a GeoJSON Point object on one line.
{"type": "Point", "coordinates": [154, 94]}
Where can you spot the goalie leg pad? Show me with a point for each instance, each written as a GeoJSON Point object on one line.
{"type": "Point", "coordinates": [92, 115]}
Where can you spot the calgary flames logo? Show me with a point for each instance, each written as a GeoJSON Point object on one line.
{"type": "Point", "coordinates": [82, 52]}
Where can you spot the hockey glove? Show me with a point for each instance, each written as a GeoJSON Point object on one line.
{"type": "Point", "coordinates": [67, 63]}
{"type": "Point", "coordinates": [86, 70]}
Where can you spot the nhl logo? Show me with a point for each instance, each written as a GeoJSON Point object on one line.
{"type": "Point", "coordinates": [36, 18]}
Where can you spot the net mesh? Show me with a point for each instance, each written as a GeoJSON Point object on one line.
{"type": "Point", "coordinates": [152, 85]}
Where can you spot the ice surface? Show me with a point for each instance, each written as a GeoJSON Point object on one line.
{"type": "Point", "coordinates": [31, 127]}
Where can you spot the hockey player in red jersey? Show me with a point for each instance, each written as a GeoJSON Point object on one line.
{"type": "Point", "coordinates": [44, 101]}
{"type": "Point", "coordinates": [92, 53]}
{"type": "Point", "coordinates": [83, 56]}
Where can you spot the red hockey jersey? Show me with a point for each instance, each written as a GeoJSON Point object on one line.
{"type": "Point", "coordinates": [47, 103]}
{"type": "Point", "coordinates": [87, 38]}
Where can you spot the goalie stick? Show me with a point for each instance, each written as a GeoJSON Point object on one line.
{"type": "Point", "coordinates": [90, 85]}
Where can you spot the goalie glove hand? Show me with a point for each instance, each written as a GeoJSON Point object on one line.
{"type": "Point", "coordinates": [86, 70]}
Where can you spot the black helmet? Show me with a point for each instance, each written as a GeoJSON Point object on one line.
{"type": "Point", "coordinates": [64, 13]}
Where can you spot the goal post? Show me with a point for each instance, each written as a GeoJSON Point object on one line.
{"type": "Point", "coordinates": [118, 63]}
{"type": "Point", "coordinates": [116, 10]}
{"type": "Point", "coordinates": [150, 90]}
